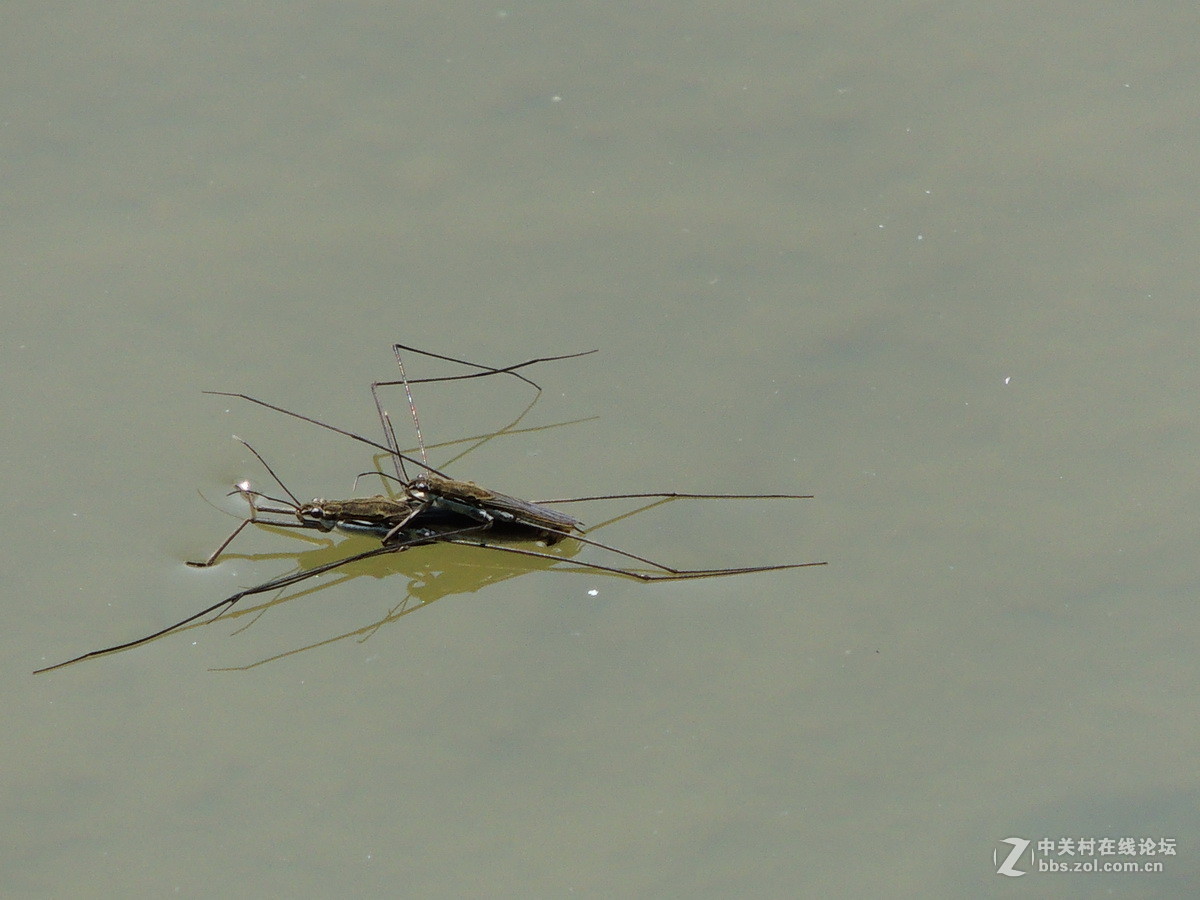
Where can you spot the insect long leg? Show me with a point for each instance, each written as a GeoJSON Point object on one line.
{"type": "Point", "coordinates": [255, 520]}
{"type": "Point", "coordinates": [275, 583]}
{"type": "Point", "coordinates": [390, 450]}
{"type": "Point", "coordinates": [668, 573]}
{"type": "Point", "coordinates": [251, 498]}
{"type": "Point", "coordinates": [390, 434]}
{"type": "Point", "coordinates": [403, 609]}
{"type": "Point", "coordinates": [487, 518]}
{"type": "Point", "coordinates": [212, 557]}
{"type": "Point", "coordinates": [385, 420]}
{"type": "Point", "coordinates": [672, 573]}
{"type": "Point", "coordinates": [486, 370]}
{"type": "Point", "coordinates": [676, 495]}
{"type": "Point", "coordinates": [221, 607]}
{"type": "Point", "coordinates": [492, 509]}
{"type": "Point", "coordinates": [662, 497]}
{"type": "Point", "coordinates": [412, 407]}
{"type": "Point", "coordinates": [503, 511]}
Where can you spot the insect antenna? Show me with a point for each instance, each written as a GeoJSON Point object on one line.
{"type": "Point", "coordinates": [266, 466]}
{"type": "Point", "coordinates": [259, 495]}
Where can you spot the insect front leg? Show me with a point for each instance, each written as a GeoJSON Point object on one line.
{"type": "Point", "coordinates": [243, 488]}
{"type": "Point", "coordinates": [398, 528]}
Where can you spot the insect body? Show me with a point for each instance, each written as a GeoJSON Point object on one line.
{"type": "Point", "coordinates": [491, 508]}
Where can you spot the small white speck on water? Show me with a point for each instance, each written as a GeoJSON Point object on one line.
{"type": "Point", "coordinates": [593, 592]}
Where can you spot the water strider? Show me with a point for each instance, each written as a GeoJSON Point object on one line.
{"type": "Point", "coordinates": [434, 491]}
{"type": "Point", "coordinates": [397, 522]}
{"type": "Point", "coordinates": [436, 508]}
{"type": "Point", "coordinates": [380, 516]}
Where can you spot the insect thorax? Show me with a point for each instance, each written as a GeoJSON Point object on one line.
{"type": "Point", "coordinates": [379, 508]}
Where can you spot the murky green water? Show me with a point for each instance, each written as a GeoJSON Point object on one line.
{"type": "Point", "coordinates": [929, 263]}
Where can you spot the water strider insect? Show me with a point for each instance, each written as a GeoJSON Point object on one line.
{"type": "Point", "coordinates": [434, 491]}
{"type": "Point", "coordinates": [397, 522]}
{"type": "Point", "coordinates": [380, 516]}
{"type": "Point", "coordinates": [436, 508]}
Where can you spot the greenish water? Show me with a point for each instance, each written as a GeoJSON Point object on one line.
{"type": "Point", "coordinates": [928, 263]}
